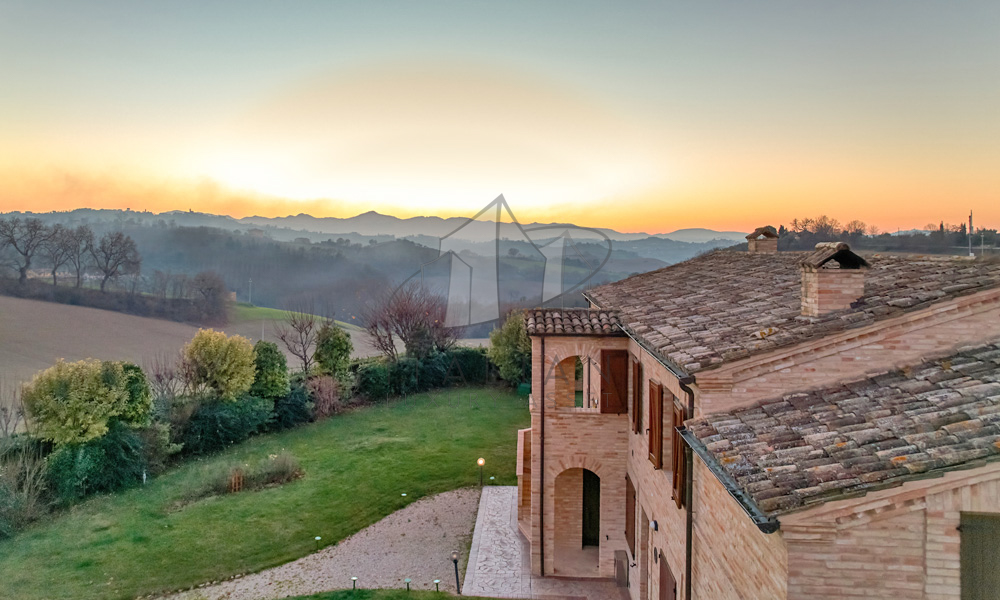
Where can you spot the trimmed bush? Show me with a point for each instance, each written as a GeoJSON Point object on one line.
{"type": "Point", "coordinates": [108, 464]}
{"type": "Point", "coordinates": [220, 364]}
{"type": "Point", "coordinates": [373, 381]}
{"type": "Point", "coordinates": [434, 370]}
{"type": "Point", "coordinates": [468, 365]}
{"type": "Point", "coordinates": [216, 425]}
{"type": "Point", "coordinates": [292, 410]}
{"type": "Point", "coordinates": [270, 372]}
{"type": "Point", "coordinates": [404, 375]}
{"type": "Point", "coordinates": [510, 349]}
{"type": "Point", "coordinates": [333, 350]}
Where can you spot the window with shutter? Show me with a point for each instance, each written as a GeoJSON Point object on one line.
{"type": "Point", "coordinates": [630, 514]}
{"type": "Point", "coordinates": [656, 424]}
{"type": "Point", "coordinates": [614, 381]}
{"type": "Point", "coordinates": [636, 396]}
{"type": "Point", "coordinates": [678, 458]}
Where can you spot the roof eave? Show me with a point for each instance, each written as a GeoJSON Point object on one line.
{"type": "Point", "coordinates": [763, 521]}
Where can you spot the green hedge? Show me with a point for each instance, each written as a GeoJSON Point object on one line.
{"type": "Point", "coordinates": [216, 425]}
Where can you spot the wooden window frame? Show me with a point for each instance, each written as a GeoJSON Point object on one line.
{"type": "Point", "coordinates": [656, 424]}
{"type": "Point", "coordinates": [630, 504]}
{"type": "Point", "coordinates": [636, 396]}
{"type": "Point", "coordinates": [678, 456]}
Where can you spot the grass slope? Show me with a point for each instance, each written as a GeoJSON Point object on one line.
{"type": "Point", "coordinates": [381, 595]}
{"type": "Point", "coordinates": [357, 466]}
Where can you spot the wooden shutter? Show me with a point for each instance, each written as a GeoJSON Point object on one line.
{"type": "Point", "coordinates": [668, 587]}
{"type": "Point", "coordinates": [636, 396]}
{"type": "Point", "coordinates": [656, 424]}
{"type": "Point", "coordinates": [614, 381]}
{"type": "Point", "coordinates": [979, 566]}
{"type": "Point", "coordinates": [678, 457]}
{"type": "Point", "coordinates": [630, 514]}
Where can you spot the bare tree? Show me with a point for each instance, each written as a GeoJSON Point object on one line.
{"type": "Point", "coordinates": [58, 248]}
{"type": "Point", "coordinates": [27, 237]}
{"type": "Point", "coordinates": [12, 415]}
{"type": "Point", "coordinates": [115, 254]}
{"type": "Point", "coordinates": [412, 315]}
{"type": "Point", "coordinates": [165, 377]}
{"type": "Point", "coordinates": [212, 291]}
{"type": "Point", "coordinates": [79, 255]}
{"type": "Point", "coordinates": [298, 334]}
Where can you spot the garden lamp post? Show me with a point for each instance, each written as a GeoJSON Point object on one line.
{"type": "Point", "coordinates": [481, 462]}
{"type": "Point", "coordinates": [454, 559]}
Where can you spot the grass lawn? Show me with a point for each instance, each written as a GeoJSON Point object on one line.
{"type": "Point", "coordinates": [357, 466]}
{"type": "Point", "coordinates": [242, 311]}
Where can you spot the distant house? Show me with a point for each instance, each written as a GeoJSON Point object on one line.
{"type": "Point", "coordinates": [768, 424]}
{"type": "Point", "coordinates": [257, 233]}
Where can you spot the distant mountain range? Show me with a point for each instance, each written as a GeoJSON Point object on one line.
{"type": "Point", "coordinates": [376, 225]}
{"type": "Point", "coordinates": [372, 223]}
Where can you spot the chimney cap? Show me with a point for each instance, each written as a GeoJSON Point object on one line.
{"type": "Point", "coordinates": [838, 251]}
{"type": "Point", "coordinates": [766, 231]}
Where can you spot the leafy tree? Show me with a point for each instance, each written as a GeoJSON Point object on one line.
{"type": "Point", "coordinates": [115, 254]}
{"type": "Point", "coordinates": [218, 363]}
{"type": "Point", "coordinates": [73, 403]}
{"type": "Point", "coordinates": [270, 371]}
{"type": "Point", "coordinates": [333, 349]}
{"type": "Point", "coordinates": [510, 349]}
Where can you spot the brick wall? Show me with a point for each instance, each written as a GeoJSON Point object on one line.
{"type": "Point", "coordinates": [763, 246]}
{"type": "Point", "coordinates": [897, 543]}
{"type": "Point", "coordinates": [827, 290]}
{"type": "Point", "coordinates": [732, 558]}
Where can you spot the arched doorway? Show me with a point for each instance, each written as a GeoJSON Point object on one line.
{"type": "Point", "coordinates": [578, 523]}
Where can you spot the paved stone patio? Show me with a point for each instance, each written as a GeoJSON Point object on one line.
{"type": "Point", "coordinates": [500, 562]}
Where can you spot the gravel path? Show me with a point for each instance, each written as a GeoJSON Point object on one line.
{"type": "Point", "coordinates": [413, 542]}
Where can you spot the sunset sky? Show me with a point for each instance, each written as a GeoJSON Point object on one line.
{"type": "Point", "coordinates": [635, 116]}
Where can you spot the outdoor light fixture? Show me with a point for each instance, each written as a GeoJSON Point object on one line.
{"type": "Point", "coordinates": [454, 556]}
{"type": "Point", "coordinates": [354, 583]}
{"type": "Point", "coordinates": [317, 542]}
{"type": "Point", "coordinates": [654, 525]}
{"type": "Point", "coordinates": [407, 581]}
{"type": "Point", "coordinates": [481, 462]}
{"type": "Point", "coordinates": [437, 585]}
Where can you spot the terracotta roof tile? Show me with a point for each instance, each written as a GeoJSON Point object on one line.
{"type": "Point", "coordinates": [572, 321]}
{"type": "Point", "coordinates": [728, 305]}
{"type": "Point", "coordinates": [805, 448]}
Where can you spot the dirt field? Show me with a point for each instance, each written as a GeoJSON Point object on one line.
{"type": "Point", "coordinates": [34, 334]}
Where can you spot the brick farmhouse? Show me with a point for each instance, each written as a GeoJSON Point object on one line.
{"type": "Point", "coordinates": [770, 425]}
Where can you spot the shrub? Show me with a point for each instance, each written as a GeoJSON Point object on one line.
{"type": "Point", "coordinates": [510, 349]}
{"type": "Point", "coordinates": [434, 370]}
{"type": "Point", "coordinates": [216, 425]}
{"type": "Point", "coordinates": [108, 464]}
{"type": "Point", "coordinates": [373, 381]}
{"type": "Point", "coordinates": [325, 396]}
{"type": "Point", "coordinates": [404, 376]}
{"type": "Point", "coordinates": [242, 477]}
{"type": "Point", "coordinates": [157, 447]}
{"type": "Point", "coordinates": [270, 372]}
{"type": "Point", "coordinates": [468, 365]}
{"type": "Point", "coordinates": [333, 350]}
{"type": "Point", "coordinates": [292, 410]}
{"type": "Point", "coordinates": [22, 484]}
{"type": "Point", "coordinates": [73, 403]}
{"type": "Point", "coordinates": [220, 364]}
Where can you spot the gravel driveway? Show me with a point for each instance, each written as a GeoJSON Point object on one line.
{"type": "Point", "coordinates": [413, 542]}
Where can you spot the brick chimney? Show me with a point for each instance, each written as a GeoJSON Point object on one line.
{"type": "Point", "coordinates": [763, 240]}
{"type": "Point", "coordinates": [833, 278]}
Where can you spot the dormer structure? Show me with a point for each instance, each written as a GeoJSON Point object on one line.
{"type": "Point", "coordinates": [763, 240]}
